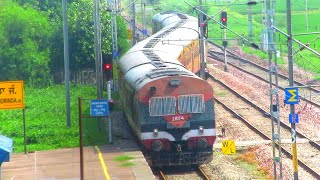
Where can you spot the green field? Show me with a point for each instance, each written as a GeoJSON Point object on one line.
{"type": "Point", "coordinates": [238, 22]}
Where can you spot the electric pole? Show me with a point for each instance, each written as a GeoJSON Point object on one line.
{"type": "Point", "coordinates": [97, 46]}
{"type": "Point", "coordinates": [202, 51]}
{"type": "Point", "coordinates": [66, 61]}
{"type": "Point", "coordinates": [274, 89]}
{"type": "Point", "coordinates": [113, 7]}
{"type": "Point", "coordinates": [307, 14]}
{"type": "Point", "coordinates": [264, 34]}
{"type": "Point", "coordinates": [250, 21]}
{"type": "Point", "coordinates": [144, 22]}
{"type": "Point", "coordinates": [290, 63]}
{"type": "Point", "coordinates": [133, 22]}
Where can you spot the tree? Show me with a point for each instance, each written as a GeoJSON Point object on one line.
{"type": "Point", "coordinates": [24, 47]}
{"type": "Point", "coordinates": [81, 36]}
{"type": "Point", "coordinates": [81, 32]}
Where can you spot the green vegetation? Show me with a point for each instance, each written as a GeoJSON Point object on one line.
{"type": "Point", "coordinates": [238, 21]}
{"type": "Point", "coordinates": [124, 160]}
{"type": "Point", "coordinates": [32, 47]}
{"type": "Point", "coordinates": [46, 122]}
{"type": "Point", "coordinates": [248, 161]}
{"type": "Point", "coordinates": [31, 50]}
{"type": "Point", "coordinates": [221, 94]}
{"type": "Point", "coordinates": [242, 163]}
{"type": "Point", "coordinates": [24, 52]}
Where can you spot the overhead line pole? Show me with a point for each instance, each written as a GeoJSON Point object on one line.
{"type": "Point", "coordinates": [292, 110]}
{"type": "Point", "coordinates": [250, 21]}
{"type": "Point", "coordinates": [97, 45]}
{"type": "Point", "coordinates": [307, 14]}
{"type": "Point", "coordinates": [274, 90]}
{"type": "Point", "coordinates": [113, 7]}
{"type": "Point", "coordinates": [264, 38]}
{"type": "Point", "coordinates": [202, 51]}
{"type": "Point", "coordinates": [66, 61]}
{"type": "Point", "coordinates": [143, 10]}
{"type": "Point", "coordinates": [133, 22]}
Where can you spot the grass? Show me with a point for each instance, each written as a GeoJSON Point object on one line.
{"type": "Point", "coordinates": [124, 160]}
{"type": "Point", "coordinates": [248, 160]}
{"type": "Point", "coordinates": [221, 94]}
{"type": "Point", "coordinates": [222, 162]}
{"type": "Point", "coordinates": [46, 120]}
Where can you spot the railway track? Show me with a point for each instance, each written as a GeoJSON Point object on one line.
{"type": "Point", "coordinates": [252, 115]}
{"type": "Point", "coordinates": [201, 174]}
{"type": "Point", "coordinates": [262, 74]}
{"type": "Point", "coordinates": [314, 146]}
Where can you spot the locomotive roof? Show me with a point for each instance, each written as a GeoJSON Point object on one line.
{"type": "Point", "coordinates": [156, 57]}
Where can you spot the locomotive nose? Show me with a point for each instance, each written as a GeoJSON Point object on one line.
{"type": "Point", "coordinates": [202, 143]}
{"type": "Point", "coordinates": [156, 145]}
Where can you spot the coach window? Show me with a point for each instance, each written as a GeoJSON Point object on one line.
{"type": "Point", "coordinates": [193, 103]}
{"type": "Point", "coordinates": [162, 106]}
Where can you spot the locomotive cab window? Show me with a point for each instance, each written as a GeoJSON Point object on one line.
{"type": "Point", "coordinates": [161, 106]}
{"type": "Point", "coordinates": [193, 103]}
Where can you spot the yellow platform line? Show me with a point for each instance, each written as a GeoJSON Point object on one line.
{"type": "Point", "coordinates": [104, 167]}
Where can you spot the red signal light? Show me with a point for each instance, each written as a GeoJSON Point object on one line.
{"type": "Point", "coordinates": [107, 67]}
{"type": "Point", "coordinates": [223, 19]}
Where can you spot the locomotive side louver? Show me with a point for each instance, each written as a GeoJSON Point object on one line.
{"type": "Point", "coordinates": [155, 59]}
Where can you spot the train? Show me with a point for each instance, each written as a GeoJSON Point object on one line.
{"type": "Point", "coordinates": [169, 108]}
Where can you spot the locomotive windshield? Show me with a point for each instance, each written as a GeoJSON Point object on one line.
{"type": "Point", "coordinates": [163, 106]}
{"type": "Point", "coordinates": [193, 103]}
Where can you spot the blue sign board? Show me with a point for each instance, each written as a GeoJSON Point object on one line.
{"type": "Point", "coordinates": [99, 107]}
{"type": "Point", "coordinates": [293, 118]}
{"type": "Point", "coordinates": [115, 54]}
{"type": "Point", "coordinates": [291, 95]}
{"type": "Point", "coordinates": [5, 148]}
{"type": "Point", "coordinates": [145, 32]}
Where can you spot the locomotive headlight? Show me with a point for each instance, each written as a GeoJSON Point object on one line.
{"type": "Point", "coordinates": [155, 132]}
{"type": "Point", "coordinates": [202, 143]}
{"type": "Point", "coordinates": [201, 130]}
{"type": "Point", "coordinates": [156, 145]}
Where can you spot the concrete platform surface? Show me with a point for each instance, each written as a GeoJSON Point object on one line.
{"type": "Point", "coordinates": [100, 162]}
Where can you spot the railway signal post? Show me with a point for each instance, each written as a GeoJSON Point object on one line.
{"type": "Point", "coordinates": [224, 20]}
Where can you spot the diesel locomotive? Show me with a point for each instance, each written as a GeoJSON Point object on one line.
{"type": "Point", "coordinates": [169, 108]}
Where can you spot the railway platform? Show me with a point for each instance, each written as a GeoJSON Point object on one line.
{"type": "Point", "coordinates": [120, 161]}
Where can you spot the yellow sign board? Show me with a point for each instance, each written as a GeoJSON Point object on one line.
{"type": "Point", "coordinates": [11, 95]}
{"type": "Point", "coordinates": [228, 147]}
